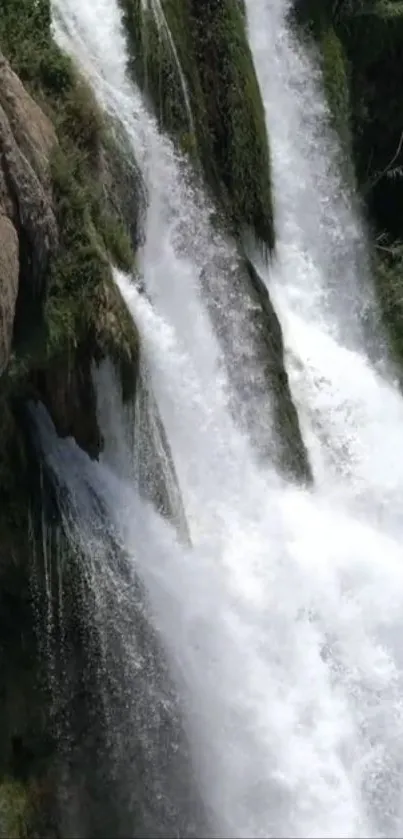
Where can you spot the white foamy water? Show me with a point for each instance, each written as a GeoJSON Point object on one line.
{"type": "Point", "coordinates": [283, 623]}
{"type": "Point", "coordinates": [350, 409]}
{"type": "Point", "coordinates": [321, 247]}
{"type": "Point", "coordinates": [181, 250]}
{"type": "Point", "coordinates": [305, 639]}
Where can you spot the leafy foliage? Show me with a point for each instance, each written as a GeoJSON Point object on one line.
{"type": "Point", "coordinates": [25, 38]}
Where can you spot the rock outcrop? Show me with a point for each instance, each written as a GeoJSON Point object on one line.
{"type": "Point", "coordinates": [49, 247]}
{"type": "Point", "coordinates": [59, 312]}
{"type": "Point", "coordinates": [33, 131]}
{"type": "Point", "coordinates": [9, 272]}
{"type": "Point", "coordinates": [194, 62]}
{"type": "Point", "coordinates": [28, 230]}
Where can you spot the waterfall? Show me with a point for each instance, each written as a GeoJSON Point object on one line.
{"type": "Point", "coordinates": [183, 256]}
{"type": "Point", "coordinates": [321, 247]}
{"type": "Point", "coordinates": [135, 442]}
{"type": "Point", "coordinates": [281, 624]}
{"type": "Point", "coordinates": [350, 407]}
{"type": "Point", "coordinates": [131, 757]}
{"type": "Point", "coordinates": [164, 30]}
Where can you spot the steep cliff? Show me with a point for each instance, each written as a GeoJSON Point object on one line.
{"type": "Point", "coordinates": [59, 312]}
{"type": "Point", "coordinates": [60, 307]}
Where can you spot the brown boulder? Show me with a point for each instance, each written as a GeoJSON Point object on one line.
{"type": "Point", "coordinates": [33, 131]}
{"type": "Point", "coordinates": [28, 230]}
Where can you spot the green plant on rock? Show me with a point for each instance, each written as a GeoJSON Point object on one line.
{"type": "Point", "coordinates": [24, 34]}
{"type": "Point", "coordinates": [81, 318]}
{"type": "Point", "coordinates": [336, 82]}
{"type": "Point", "coordinates": [116, 240]}
{"type": "Point", "coordinates": [388, 272]}
{"type": "Point", "coordinates": [193, 61]}
{"type": "Point", "coordinates": [81, 286]}
{"type": "Point", "coordinates": [14, 807]}
{"type": "Point", "coordinates": [236, 140]}
{"type": "Point", "coordinates": [90, 234]}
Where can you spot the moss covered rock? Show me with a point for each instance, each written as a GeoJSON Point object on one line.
{"type": "Point", "coordinates": [336, 81]}
{"type": "Point", "coordinates": [288, 449]}
{"type": "Point", "coordinates": [194, 62]}
{"type": "Point", "coordinates": [60, 312]}
{"type": "Point", "coordinates": [65, 309]}
{"type": "Point", "coordinates": [14, 810]}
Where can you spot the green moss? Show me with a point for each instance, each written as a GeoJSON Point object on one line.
{"type": "Point", "coordinates": [195, 65]}
{"type": "Point", "coordinates": [81, 316]}
{"type": "Point", "coordinates": [116, 239]}
{"type": "Point", "coordinates": [362, 41]}
{"type": "Point", "coordinates": [89, 233]}
{"type": "Point", "coordinates": [24, 28]}
{"type": "Point", "coordinates": [14, 810]}
{"type": "Point", "coordinates": [152, 60]}
{"type": "Point", "coordinates": [336, 82]}
{"type": "Point", "coordinates": [80, 280]}
{"type": "Point", "coordinates": [388, 272]}
{"type": "Point", "coordinates": [236, 125]}
{"type": "Point", "coordinates": [114, 336]}
{"type": "Point", "coordinates": [80, 119]}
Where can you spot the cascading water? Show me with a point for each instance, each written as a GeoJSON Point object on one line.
{"type": "Point", "coordinates": [282, 623]}
{"type": "Point", "coordinates": [321, 246]}
{"type": "Point", "coordinates": [182, 246]}
{"type": "Point", "coordinates": [132, 753]}
{"type": "Point", "coordinates": [350, 408]}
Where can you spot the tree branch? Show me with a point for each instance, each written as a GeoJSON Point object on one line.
{"type": "Point", "coordinates": [389, 165]}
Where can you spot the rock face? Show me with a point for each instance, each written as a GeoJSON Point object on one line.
{"type": "Point", "coordinates": [32, 129]}
{"type": "Point", "coordinates": [205, 92]}
{"type": "Point", "coordinates": [261, 399]}
{"type": "Point", "coordinates": [37, 362]}
{"type": "Point", "coordinates": [50, 248]}
{"type": "Point", "coordinates": [28, 230]}
{"type": "Point", "coordinates": [9, 270]}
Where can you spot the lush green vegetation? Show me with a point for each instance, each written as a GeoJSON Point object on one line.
{"type": "Point", "coordinates": [194, 62]}
{"type": "Point", "coordinates": [79, 287]}
{"type": "Point", "coordinates": [80, 316]}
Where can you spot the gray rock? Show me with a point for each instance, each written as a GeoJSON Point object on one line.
{"type": "Point", "coordinates": [9, 271]}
